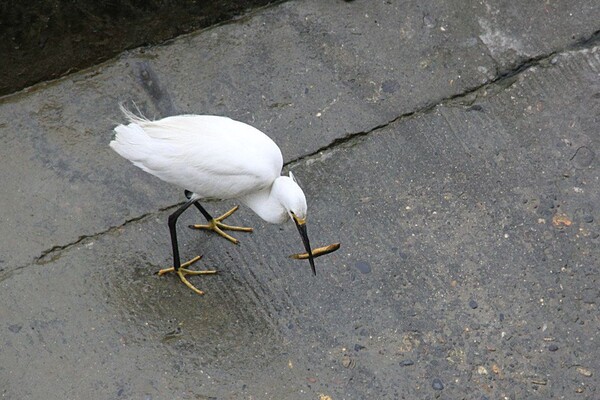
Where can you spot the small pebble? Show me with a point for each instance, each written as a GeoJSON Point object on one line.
{"type": "Point", "coordinates": [588, 218]}
{"type": "Point", "coordinates": [584, 371]}
{"type": "Point", "coordinates": [363, 267]}
{"type": "Point", "coordinates": [496, 369]}
{"type": "Point", "coordinates": [428, 21]}
{"type": "Point", "coordinates": [358, 347]}
{"type": "Point", "coordinates": [437, 384]}
{"type": "Point", "coordinates": [473, 304]}
{"type": "Point", "coordinates": [347, 362]}
{"type": "Point", "coordinates": [552, 347]}
{"type": "Point", "coordinates": [406, 363]}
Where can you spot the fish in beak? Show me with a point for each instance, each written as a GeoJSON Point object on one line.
{"type": "Point", "coordinates": [301, 225]}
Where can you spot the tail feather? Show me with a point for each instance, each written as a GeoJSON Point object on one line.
{"type": "Point", "coordinates": [132, 117]}
{"type": "Point", "coordinates": [131, 142]}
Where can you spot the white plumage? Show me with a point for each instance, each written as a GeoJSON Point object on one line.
{"type": "Point", "coordinates": [214, 158]}
{"type": "Point", "coordinates": [206, 154]}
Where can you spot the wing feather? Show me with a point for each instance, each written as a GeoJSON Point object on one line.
{"type": "Point", "coordinates": [215, 157]}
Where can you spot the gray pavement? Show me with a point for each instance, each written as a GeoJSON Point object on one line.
{"type": "Point", "coordinates": [451, 148]}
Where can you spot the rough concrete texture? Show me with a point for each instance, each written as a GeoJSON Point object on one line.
{"type": "Point", "coordinates": [451, 149]}
{"type": "Point", "coordinates": [44, 39]}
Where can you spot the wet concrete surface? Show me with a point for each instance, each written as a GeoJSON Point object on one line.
{"type": "Point", "coordinates": [458, 170]}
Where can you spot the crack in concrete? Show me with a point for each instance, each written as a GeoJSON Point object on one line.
{"type": "Point", "coordinates": [49, 255]}
{"type": "Point", "coordinates": [503, 81]}
{"type": "Point", "coordinates": [55, 252]}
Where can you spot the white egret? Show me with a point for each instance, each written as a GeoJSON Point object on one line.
{"type": "Point", "coordinates": [214, 157]}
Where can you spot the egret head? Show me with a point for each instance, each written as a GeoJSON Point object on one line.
{"type": "Point", "coordinates": [293, 200]}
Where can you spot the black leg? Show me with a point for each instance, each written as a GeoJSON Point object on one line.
{"type": "Point", "coordinates": [215, 224]}
{"type": "Point", "coordinates": [173, 230]}
{"type": "Point", "coordinates": [203, 211]}
{"type": "Point", "coordinates": [208, 217]}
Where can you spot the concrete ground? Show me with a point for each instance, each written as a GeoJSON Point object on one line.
{"type": "Point", "coordinates": [450, 146]}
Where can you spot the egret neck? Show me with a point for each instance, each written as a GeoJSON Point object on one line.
{"type": "Point", "coordinates": [266, 205]}
{"type": "Point", "coordinates": [282, 200]}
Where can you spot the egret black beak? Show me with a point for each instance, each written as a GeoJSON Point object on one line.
{"type": "Point", "coordinates": [301, 225]}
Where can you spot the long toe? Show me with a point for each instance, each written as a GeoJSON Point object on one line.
{"type": "Point", "coordinates": [235, 228]}
{"type": "Point", "coordinates": [182, 272]}
{"type": "Point", "coordinates": [187, 283]}
{"type": "Point", "coordinates": [184, 265]}
{"type": "Point", "coordinates": [225, 235]}
{"type": "Point", "coordinates": [217, 226]}
{"type": "Point", "coordinates": [227, 214]}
